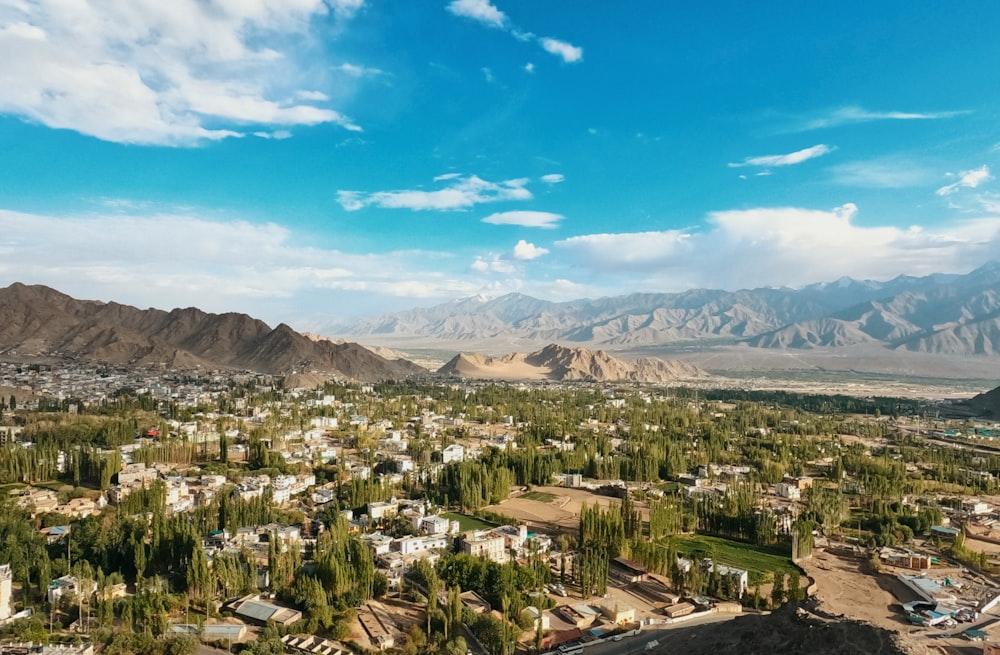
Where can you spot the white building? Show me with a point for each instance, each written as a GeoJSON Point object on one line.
{"type": "Point", "coordinates": [67, 584]}
{"type": "Point", "coordinates": [484, 544]}
{"type": "Point", "coordinates": [412, 545]}
{"type": "Point", "coordinates": [453, 453]}
{"type": "Point", "coordinates": [5, 591]}
{"type": "Point", "coordinates": [377, 511]}
{"type": "Point", "coordinates": [789, 491]}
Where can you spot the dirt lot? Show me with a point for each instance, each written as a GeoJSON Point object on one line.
{"type": "Point", "coordinates": [562, 513]}
{"type": "Point", "coordinates": [845, 587]}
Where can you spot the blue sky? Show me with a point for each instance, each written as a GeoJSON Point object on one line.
{"type": "Point", "coordinates": [307, 160]}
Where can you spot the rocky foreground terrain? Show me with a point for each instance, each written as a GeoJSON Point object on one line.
{"type": "Point", "coordinates": [787, 630]}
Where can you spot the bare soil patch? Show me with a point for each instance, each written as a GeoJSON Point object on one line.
{"type": "Point", "coordinates": [560, 514]}
{"type": "Point", "coordinates": [846, 587]}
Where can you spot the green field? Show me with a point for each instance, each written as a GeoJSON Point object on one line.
{"type": "Point", "coordinates": [540, 496]}
{"type": "Point", "coordinates": [760, 562]}
{"type": "Point", "coordinates": [466, 522]}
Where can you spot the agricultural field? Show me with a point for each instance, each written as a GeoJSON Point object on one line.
{"type": "Point", "coordinates": [551, 509]}
{"type": "Point", "coordinates": [466, 522]}
{"type": "Point", "coordinates": [759, 561]}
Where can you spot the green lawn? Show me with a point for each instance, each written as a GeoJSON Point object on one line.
{"type": "Point", "coordinates": [466, 522]}
{"type": "Point", "coordinates": [540, 496]}
{"type": "Point", "coordinates": [758, 561]}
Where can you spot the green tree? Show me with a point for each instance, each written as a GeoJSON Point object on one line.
{"type": "Point", "coordinates": [778, 590]}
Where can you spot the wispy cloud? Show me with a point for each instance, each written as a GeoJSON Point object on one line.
{"type": "Point", "coordinates": [789, 159]}
{"type": "Point", "coordinates": [489, 15]}
{"type": "Point", "coordinates": [527, 251]}
{"type": "Point", "coordinates": [525, 219]}
{"type": "Point", "coordinates": [890, 172]}
{"type": "Point", "coordinates": [172, 73]}
{"type": "Point", "coordinates": [353, 70]}
{"type": "Point", "coordinates": [567, 51]}
{"type": "Point", "coordinates": [783, 246]}
{"type": "Point", "coordinates": [967, 180]}
{"type": "Point", "coordinates": [553, 178]}
{"type": "Point", "coordinates": [462, 193]}
{"type": "Point", "coordinates": [854, 114]}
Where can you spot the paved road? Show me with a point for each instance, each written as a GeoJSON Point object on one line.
{"type": "Point", "coordinates": [637, 644]}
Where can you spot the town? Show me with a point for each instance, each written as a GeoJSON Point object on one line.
{"type": "Point", "coordinates": [158, 511]}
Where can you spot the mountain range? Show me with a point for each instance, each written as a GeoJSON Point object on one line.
{"type": "Point", "coordinates": [941, 313]}
{"type": "Point", "coordinates": [42, 322]}
{"type": "Point", "coordinates": [39, 321]}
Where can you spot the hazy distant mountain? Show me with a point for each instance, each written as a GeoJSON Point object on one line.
{"type": "Point", "coordinates": [38, 320]}
{"type": "Point", "coordinates": [556, 362]}
{"type": "Point", "coordinates": [951, 314]}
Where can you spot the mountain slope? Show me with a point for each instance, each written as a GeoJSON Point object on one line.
{"type": "Point", "coordinates": [987, 403]}
{"type": "Point", "coordinates": [42, 321]}
{"type": "Point", "coordinates": [947, 314]}
{"type": "Point", "coordinates": [559, 363]}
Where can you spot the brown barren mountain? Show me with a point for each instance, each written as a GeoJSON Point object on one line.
{"type": "Point", "coordinates": [555, 362]}
{"type": "Point", "coordinates": [988, 404]}
{"type": "Point", "coordinates": [39, 321]}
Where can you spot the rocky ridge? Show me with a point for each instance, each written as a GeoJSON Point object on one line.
{"type": "Point", "coordinates": [39, 321]}
{"type": "Point", "coordinates": [558, 363]}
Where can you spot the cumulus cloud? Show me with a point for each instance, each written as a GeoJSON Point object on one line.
{"type": "Point", "coordinates": [525, 219]}
{"type": "Point", "coordinates": [461, 193]}
{"type": "Point", "coordinates": [481, 11]}
{"type": "Point", "coordinates": [553, 178]}
{"type": "Point", "coordinates": [967, 180]}
{"type": "Point", "coordinates": [494, 264]}
{"type": "Point", "coordinates": [527, 251]}
{"type": "Point", "coordinates": [785, 246]}
{"type": "Point", "coordinates": [789, 159]}
{"type": "Point", "coordinates": [169, 73]}
{"type": "Point", "coordinates": [854, 114]}
{"type": "Point", "coordinates": [568, 52]}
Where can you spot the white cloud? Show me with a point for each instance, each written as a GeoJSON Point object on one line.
{"type": "Point", "coordinates": [889, 172]}
{"type": "Point", "coordinates": [488, 75]}
{"type": "Point", "coordinates": [529, 67]}
{"type": "Point", "coordinates": [171, 73]}
{"type": "Point", "coordinates": [277, 135]}
{"type": "Point", "coordinates": [789, 159]}
{"type": "Point", "coordinates": [855, 114]}
{"type": "Point", "coordinates": [527, 251]}
{"type": "Point", "coordinates": [495, 264]}
{"type": "Point", "coordinates": [204, 262]}
{"type": "Point", "coordinates": [568, 52]}
{"type": "Point", "coordinates": [462, 193]}
{"type": "Point", "coordinates": [482, 11]}
{"type": "Point", "coordinates": [968, 180]}
{"type": "Point", "coordinates": [354, 70]}
{"type": "Point", "coordinates": [786, 246]}
{"type": "Point", "coordinates": [525, 219]}
{"type": "Point", "coordinates": [553, 178]}
{"type": "Point", "coordinates": [346, 8]}
{"type": "Point", "coordinates": [486, 13]}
